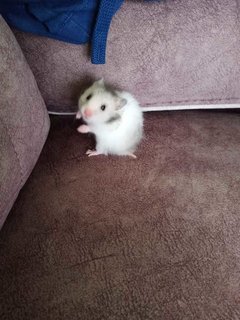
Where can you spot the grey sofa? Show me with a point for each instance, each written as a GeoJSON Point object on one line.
{"type": "Point", "coordinates": [112, 238]}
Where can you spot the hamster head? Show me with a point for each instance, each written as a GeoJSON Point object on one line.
{"type": "Point", "coordinates": [98, 105]}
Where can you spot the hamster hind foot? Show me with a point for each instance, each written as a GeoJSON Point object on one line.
{"type": "Point", "coordinates": [92, 153]}
{"type": "Point", "coordinates": [132, 155]}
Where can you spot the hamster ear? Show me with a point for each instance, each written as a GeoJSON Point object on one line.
{"type": "Point", "coordinates": [120, 103]}
{"type": "Point", "coordinates": [99, 82]}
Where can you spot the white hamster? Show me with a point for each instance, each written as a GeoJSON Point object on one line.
{"type": "Point", "coordinates": [115, 118]}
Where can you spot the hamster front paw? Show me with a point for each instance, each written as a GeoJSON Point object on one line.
{"type": "Point", "coordinates": [83, 128]}
{"type": "Point", "coordinates": [78, 115]}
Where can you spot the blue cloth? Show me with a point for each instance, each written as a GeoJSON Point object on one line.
{"type": "Point", "coordinates": [73, 21]}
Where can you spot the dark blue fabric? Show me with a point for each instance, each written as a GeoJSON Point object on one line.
{"type": "Point", "coordinates": [68, 20]}
{"type": "Point", "coordinates": [73, 21]}
{"type": "Point", "coordinates": [106, 11]}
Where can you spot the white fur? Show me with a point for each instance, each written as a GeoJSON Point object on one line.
{"type": "Point", "coordinates": [119, 137]}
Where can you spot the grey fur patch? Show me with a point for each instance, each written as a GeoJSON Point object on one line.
{"type": "Point", "coordinates": [113, 119]}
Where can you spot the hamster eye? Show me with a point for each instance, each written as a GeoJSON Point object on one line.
{"type": "Point", "coordinates": [89, 97]}
{"type": "Point", "coordinates": [103, 107]}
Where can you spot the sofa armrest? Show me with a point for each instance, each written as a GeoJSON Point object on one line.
{"type": "Point", "coordinates": [24, 122]}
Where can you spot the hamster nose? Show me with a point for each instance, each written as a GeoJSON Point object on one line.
{"type": "Point", "coordinates": [87, 113]}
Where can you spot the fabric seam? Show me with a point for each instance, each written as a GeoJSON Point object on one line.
{"type": "Point", "coordinates": [15, 151]}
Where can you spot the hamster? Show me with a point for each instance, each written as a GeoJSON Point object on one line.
{"type": "Point", "coordinates": [114, 117]}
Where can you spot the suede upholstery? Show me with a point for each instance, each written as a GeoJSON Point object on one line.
{"type": "Point", "coordinates": [111, 238]}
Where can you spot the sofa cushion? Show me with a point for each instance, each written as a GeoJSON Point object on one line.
{"type": "Point", "coordinates": [167, 53]}
{"type": "Point", "coordinates": [24, 122]}
{"type": "Point", "coordinates": [112, 238]}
